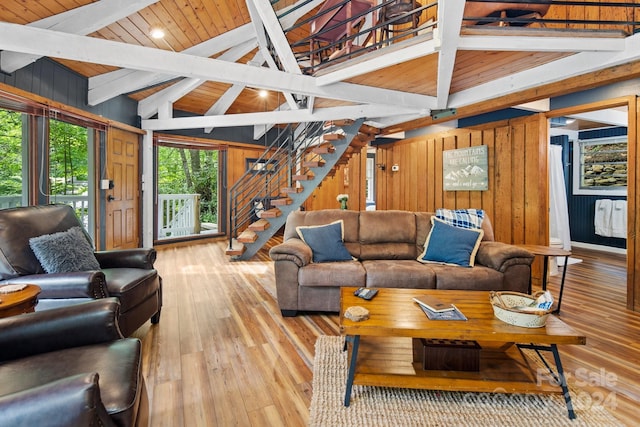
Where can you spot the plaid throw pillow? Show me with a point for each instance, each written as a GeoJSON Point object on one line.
{"type": "Point", "coordinates": [463, 218]}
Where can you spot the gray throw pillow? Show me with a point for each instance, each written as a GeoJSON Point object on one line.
{"type": "Point", "coordinates": [64, 251]}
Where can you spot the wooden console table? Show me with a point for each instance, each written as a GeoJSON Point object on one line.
{"type": "Point", "coordinates": [381, 355]}
{"type": "Point", "coordinates": [19, 302]}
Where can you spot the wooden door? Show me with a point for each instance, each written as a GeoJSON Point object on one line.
{"type": "Point", "coordinates": [123, 200]}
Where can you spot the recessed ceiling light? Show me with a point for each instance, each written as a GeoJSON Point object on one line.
{"type": "Point", "coordinates": [157, 33]}
{"type": "Point", "coordinates": [263, 93]}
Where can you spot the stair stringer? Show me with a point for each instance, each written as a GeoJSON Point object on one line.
{"type": "Point", "coordinates": [350, 131]}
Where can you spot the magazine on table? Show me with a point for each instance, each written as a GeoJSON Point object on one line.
{"type": "Point", "coordinates": [454, 314]}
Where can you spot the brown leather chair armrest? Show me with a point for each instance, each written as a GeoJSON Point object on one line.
{"type": "Point", "coordinates": [129, 258]}
{"type": "Point", "coordinates": [77, 325]}
{"type": "Point", "coordinates": [77, 284]}
{"type": "Point", "coordinates": [500, 256]}
{"type": "Point", "coordinates": [294, 250]}
{"type": "Point", "coordinates": [72, 401]}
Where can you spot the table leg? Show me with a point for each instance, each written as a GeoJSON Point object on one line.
{"type": "Point", "coordinates": [355, 340]}
{"type": "Point", "coordinates": [558, 376]}
{"type": "Point", "coordinates": [545, 268]}
{"type": "Point", "coordinates": [564, 274]}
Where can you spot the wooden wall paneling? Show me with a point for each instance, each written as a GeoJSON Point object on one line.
{"type": "Point", "coordinates": [633, 208]}
{"type": "Point", "coordinates": [448, 197]}
{"type": "Point", "coordinates": [421, 176]}
{"type": "Point", "coordinates": [416, 175]}
{"type": "Point", "coordinates": [475, 197]}
{"type": "Point", "coordinates": [438, 172]}
{"type": "Point", "coordinates": [518, 171]}
{"type": "Point", "coordinates": [430, 175]}
{"type": "Point", "coordinates": [502, 218]}
{"type": "Point", "coordinates": [487, 137]}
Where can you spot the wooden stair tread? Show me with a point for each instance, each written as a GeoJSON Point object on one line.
{"type": "Point", "coordinates": [238, 248]}
{"type": "Point", "coordinates": [342, 122]}
{"type": "Point", "coordinates": [271, 213]}
{"type": "Point", "coordinates": [332, 137]}
{"type": "Point", "coordinates": [288, 190]}
{"type": "Point", "coordinates": [259, 225]}
{"type": "Point", "coordinates": [281, 202]}
{"type": "Point", "coordinates": [313, 164]}
{"type": "Point", "coordinates": [247, 236]}
{"type": "Point", "coordinates": [324, 148]}
{"type": "Point", "coordinates": [301, 177]}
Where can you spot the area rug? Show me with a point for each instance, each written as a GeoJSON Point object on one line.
{"type": "Point", "coordinates": [382, 406]}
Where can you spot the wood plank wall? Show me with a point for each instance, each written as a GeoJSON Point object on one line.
{"type": "Point", "coordinates": [348, 179]}
{"type": "Point", "coordinates": [596, 12]}
{"type": "Point", "coordinates": [516, 201]}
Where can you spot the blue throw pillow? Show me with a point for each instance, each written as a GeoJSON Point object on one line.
{"type": "Point", "coordinates": [64, 251]}
{"type": "Point", "coordinates": [325, 241]}
{"type": "Point", "coordinates": [464, 218]}
{"type": "Point", "coordinates": [451, 245]}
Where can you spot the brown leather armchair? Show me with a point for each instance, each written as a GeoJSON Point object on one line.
{"type": "Point", "coordinates": [71, 366]}
{"type": "Point", "coordinates": [125, 274]}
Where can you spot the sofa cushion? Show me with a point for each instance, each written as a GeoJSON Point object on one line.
{"type": "Point", "coordinates": [399, 274]}
{"type": "Point", "coordinates": [326, 241]}
{"type": "Point", "coordinates": [387, 235]}
{"type": "Point", "coordinates": [463, 218]}
{"type": "Point", "coordinates": [64, 251]}
{"type": "Point", "coordinates": [332, 274]}
{"type": "Point", "coordinates": [450, 245]}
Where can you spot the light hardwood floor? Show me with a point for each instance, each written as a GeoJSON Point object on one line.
{"type": "Point", "coordinates": [223, 355]}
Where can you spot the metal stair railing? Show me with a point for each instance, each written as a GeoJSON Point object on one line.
{"type": "Point", "coordinates": [253, 191]}
{"type": "Point", "coordinates": [289, 158]}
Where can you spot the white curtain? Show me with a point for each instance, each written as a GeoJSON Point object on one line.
{"type": "Point", "coordinates": [558, 209]}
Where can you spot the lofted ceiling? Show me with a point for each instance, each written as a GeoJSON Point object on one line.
{"type": "Point", "coordinates": [214, 59]}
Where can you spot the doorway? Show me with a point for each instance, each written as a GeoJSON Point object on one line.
{"type": "Point", "coordinates": [595, 141]}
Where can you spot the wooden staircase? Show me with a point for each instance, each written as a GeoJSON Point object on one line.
{"type": "Point", "coordinates": [318, 155]}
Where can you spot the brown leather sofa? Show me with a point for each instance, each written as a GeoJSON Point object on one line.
{"type": "Point", "coordinates": [125, 274]}
{"type": "Point", "coordinates": [71, 366]}
{"type": "Point", "coordinates": [385, 245]}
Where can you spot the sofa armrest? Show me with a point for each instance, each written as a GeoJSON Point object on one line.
{"type": "Point", "coordinates": [76, 284]}
{"type": "Point", "coordinates": [71, 401]}
{"type": "Point", "coordinates": [128, 258]}
{"type": "Point", "coordinates": [500, 256]}
{"type": "Point", "coordinates": [77, 325]}
{"type": "Point", "coordinates": [294, 250]}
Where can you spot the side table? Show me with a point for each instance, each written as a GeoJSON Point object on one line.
{"type": "Point", "coordinates": [18, 302]}
{"type": "Point", "coordinates": [546, 252]}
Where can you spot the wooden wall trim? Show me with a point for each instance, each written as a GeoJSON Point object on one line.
{"type": "Point", "coordinates": [633, 198]}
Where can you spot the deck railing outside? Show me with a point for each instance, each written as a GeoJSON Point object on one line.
{"type": "Point", "coordinates": [178, 215]}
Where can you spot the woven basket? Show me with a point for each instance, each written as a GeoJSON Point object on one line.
{"type": "Point", "coordinates": [503, 308]}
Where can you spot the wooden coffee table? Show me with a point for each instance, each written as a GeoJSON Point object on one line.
{"type": "Point", "coordinates": [19, 302]}
{"type": "Point", "coordinates": [384, 357]}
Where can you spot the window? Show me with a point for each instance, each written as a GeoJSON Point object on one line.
{"type": "Point", "coordinates": [187, 191]}
{"type": "Point", "coordinates": [12, 182]}
{"type": "Point", "coordinates": [600, 166]}
{"type": "Point", "coordinates": [69, 167]}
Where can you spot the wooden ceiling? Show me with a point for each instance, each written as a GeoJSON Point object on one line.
{"type": "Point", "coordinates": [392, 87]}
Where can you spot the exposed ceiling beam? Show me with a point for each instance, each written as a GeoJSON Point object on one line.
{"type": "Point", "coordinates": [82, 20]}
{"type": "Point", "coordinates": [273, 117]}
{"type": "Point", "coordinates": [67, 46]}
{"type": "Point", "coordinates": [114, 83]}
{"type": "Point", "coordinates": [564, 68]}
{"type": "Point", "coordinates": [149, 106]}
{"type": "Point", "coordinates": [259, 28]}
{"type": "Point", "coordinates": [449, 35]}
